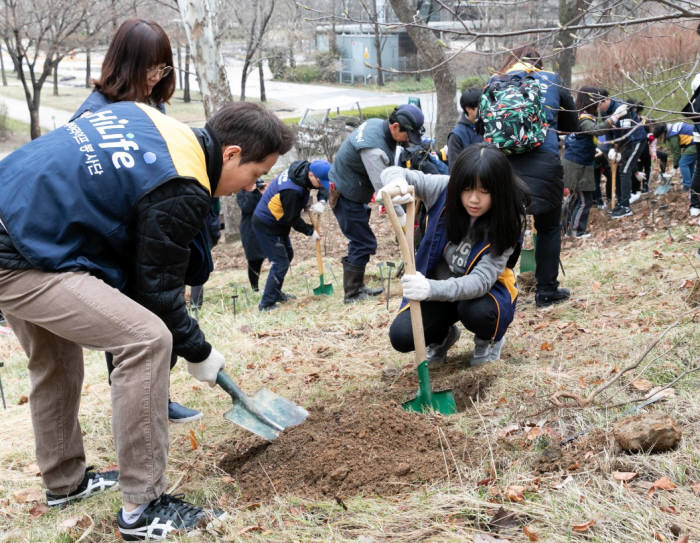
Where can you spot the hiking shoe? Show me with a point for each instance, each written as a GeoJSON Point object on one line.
{"type": "Point", "coordinates": [544, 299]}
{"type": "Point", "coordinates": [178, 413]}
{"type": "Point", "coordinates": [482, 350]}
{"type": "Point", "coordinates": [635, 196]}
{"type": "Point", "coordinates": [163, 517]}
{"type": "Point", "coordinates": [582, 235]}
{"type": "Point", "coordinates": [694, 211]}
{"type": "Point", "coordinates": [92, 483]}
{"type": "Point", "coordinates": [621, 211]}
{"type": "Point", "coordinates": [435, 353]}
{"type": "Point", "coordinates": [270, 307]}
{"type": "Point", "coordinates": [496, 348]}
{"type": "Point", "coordinates": [285, 297]}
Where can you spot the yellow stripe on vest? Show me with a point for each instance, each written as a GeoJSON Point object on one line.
{"type": "Point", "coordinates": [507, 279]}
{"type": "Point", "coordinates": [275, 206]}
{"type": "Point", "coordinates": [185, 151]}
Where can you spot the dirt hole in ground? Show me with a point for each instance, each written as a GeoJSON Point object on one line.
{"type": "Point", "coordinates": [377, 449]}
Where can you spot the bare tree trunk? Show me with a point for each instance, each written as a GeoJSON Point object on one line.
{"type": "Point", "coordinates": [55, 80]}
{"type": "Point", "coordinates": [570, 12]}
{"type": "Point", "coordinates": [244, 78]}
{"type": "Point", "coordinates": [186, 91]}
{"type": "Point", "coordinates": [377, 43]}
{"type": "Point", "coordinates": [179, 66]}
{"type": "Point", "coordinates": [198, 17]}
{"type": "Point", "coordinates": [34, 126]}
{"type": "Point", "coordinates": [261, 75]}
{"type": "Point", "coordinates": [88, 75]}
{"type": "Point", "coordinates": [433, 55]}
{"type": "Point", "coordinates": [2, 68]}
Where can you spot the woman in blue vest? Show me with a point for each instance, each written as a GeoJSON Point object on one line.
{"type": "Point", "coordinates": [464, 133]}
{"type": "Point", "coordinates": [542, 172]}
{"type": "Point", "coordinates": [138, 67]}
{"type": "Point", "coordinates": [278, 211]}
{"type": "Point", "coordinates": [464, 265]}
{"type": "Point", "coordinates": [579, 160]}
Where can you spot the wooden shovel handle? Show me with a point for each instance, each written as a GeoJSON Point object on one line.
{"type": "Point", "coordinates": [406, 245]}
{"type": "Point", "coordinates": [319, 260]}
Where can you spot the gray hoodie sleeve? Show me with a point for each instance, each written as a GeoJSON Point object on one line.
{"type": "Point", "coordinates": [428, 187]}
{"type": "Point", "coordinates": [472, 285]}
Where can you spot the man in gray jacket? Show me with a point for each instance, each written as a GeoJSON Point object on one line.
{"type": "Point", "coordinates": [355, 176]}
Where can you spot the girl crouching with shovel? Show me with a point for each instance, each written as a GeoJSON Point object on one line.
{"type": "Point", "coordinates": [464, 264]}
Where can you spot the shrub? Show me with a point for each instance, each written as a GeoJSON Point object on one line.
{"type": "Point", "coordinates": [476, 81]}
{"type": "Point", "coordinates": [277, 61]}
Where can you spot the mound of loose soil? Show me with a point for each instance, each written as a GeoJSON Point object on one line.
{"type": "Point", "coordinates": [361, 449]}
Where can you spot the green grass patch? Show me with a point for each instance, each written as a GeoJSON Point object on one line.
{"type": "Point", "coordinates": [380, 112]}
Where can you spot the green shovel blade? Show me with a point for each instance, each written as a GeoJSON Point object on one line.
{"type": "Point", "coordinates": [323, 288]}
{"type": "Point", "coordinates": [442, 401]}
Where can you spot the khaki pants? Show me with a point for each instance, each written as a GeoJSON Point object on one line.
{"type": "Point", "coordinates": [54, 315]}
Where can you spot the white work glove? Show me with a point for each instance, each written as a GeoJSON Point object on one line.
{"type": "Point", "coordinates": [402, 198]}
{"type": "Point", "coordinates": [207, 370]}
{"type": "Point", "coordinates": [315, 236]}
{"type": "Point", "coordinates": [641, 176]}
{"type": "Point", "coordinates": [611, 155]}
{"type": "Point", "coordinates": [318, 207]}
{"type": "Point", "coordinates": [415, 286]}
{"type": "Point", "coordinates": [598, 152]}
{"type": "Point", "coordinates": [620, 112]}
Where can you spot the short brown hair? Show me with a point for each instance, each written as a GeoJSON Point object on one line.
{"type": "Point", "coordinates": [255, 129]}
{"type": "Point", "coordinates": [137, 46]}
{"type": "Point", "coordinates": [525, 53]}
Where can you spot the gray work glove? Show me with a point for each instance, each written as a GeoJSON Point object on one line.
{"type": "Point", "coordinates": [207, 370]}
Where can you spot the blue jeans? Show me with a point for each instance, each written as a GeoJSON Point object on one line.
{"type": "Point", "coordinates": [278, 250]}
{"type": "Point", "coordinates": [687, 167]}
{"type": "Point", "coordinates": [353, 219]}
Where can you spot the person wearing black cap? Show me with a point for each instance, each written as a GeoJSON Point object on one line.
{"type": "Point", "coordinates": [355, 176]}
{"type": "Point", "coordinates": [278, 211]}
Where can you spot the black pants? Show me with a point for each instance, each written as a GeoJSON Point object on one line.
{"type": "Point", "coordinates": [353, 219]}
{"type": "Point", "coordinates": [695, 184]}
{"type": "Point", "coordinates": [254, 272]}
{"type": "Point", "coordinates": [580, 204]}
{"type": "Point", "coordinates": [628, 166]}
{"type": "Point", "coordinates": [479, 316]}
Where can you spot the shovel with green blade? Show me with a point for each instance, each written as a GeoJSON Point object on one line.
{"type": "Point", "coordinates": [322, 288]}
{"type": "Point", "coordinates": [265, 414]}
{"type": "Point", "coordinates": [441, 401]}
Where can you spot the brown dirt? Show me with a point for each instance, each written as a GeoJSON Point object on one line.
{"type": "Point", "coordinates": [319, 459]}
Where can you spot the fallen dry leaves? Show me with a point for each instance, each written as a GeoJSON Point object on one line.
{"type": "Point", "coordinates": [193, 440]}
{"type": "Point", "coordinates": [584, 526]}
{"type": "Point", "coordinates": [27, 495]}
{"type": "Point", "coordinates": [515, 493]}
{"type": "Point", "coordinates": [530, 533]}
{"type": "Point", "coordinates": [623, 475]}
{"type": "Point", "coordinates": [39, 509]}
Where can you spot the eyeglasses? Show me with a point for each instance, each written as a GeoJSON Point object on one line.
{"type": "Point", "coordinates": [159, 71]}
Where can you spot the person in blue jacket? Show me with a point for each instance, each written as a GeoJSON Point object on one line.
{"type": "Point", "coordinates": [464, 133]}
{"type": "Point", "coordinates": [628, 138]}
{"type": "Point", "coordinates": [96, 220]}
{"type": "Point", "coordinates": [362, 157]}
{"type": "Point", "coordinates": [278, 211]}
{"type": "Point", "coordinates": [464, 264]}
{"type": "Point", "coordinates": [542, 172]}
{"type": "Point", "coordinates": [247, 201]}
{"type": "Point", "coordinates": [138, 66]}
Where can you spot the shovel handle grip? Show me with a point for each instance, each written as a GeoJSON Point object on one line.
{"type": "Point", "coordinates": [319, 260]}
{"type": "Point", "coordinates": [225, 382]}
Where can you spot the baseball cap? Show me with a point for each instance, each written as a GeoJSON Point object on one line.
{"type": "Point", "coordinates": [410, 119]}
{"type": "Point", "coordinates": [320, 169]}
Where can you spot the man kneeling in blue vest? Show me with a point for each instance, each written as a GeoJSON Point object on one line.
{"type": "Point", "coordinates": [104, 202]}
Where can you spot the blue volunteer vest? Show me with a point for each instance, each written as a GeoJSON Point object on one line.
{"type": "Point", "coordinates": [684, 130]}
{"type": "Point", "coordinates": [580, 148]}
{"type": "Point", "coordinates": [636, 135]}
{"type": "Point", "coordinates": [348, 172]}
{"type": "Point", "coordinates": [504, 291]}
{"type": "Point", "coordinates": [466, 134]}
{"type": "Point", "coordinates": [67, 197]}
{"type": "Point", "coordinates": [269, 206]}
{"type": "Point", "coordinates": [550, 84]}
{"type": "Point", "coordinates": [96, 100]}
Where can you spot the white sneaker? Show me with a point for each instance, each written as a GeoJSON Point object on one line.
{"type": "Point", "coordinates": [635, 196]}
{"type": "Point", "coordinates": [436, 353]}
{"type": "Point", "coordinates": [694, 211]}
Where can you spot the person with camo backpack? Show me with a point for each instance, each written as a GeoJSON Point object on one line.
{"type": "Point", "coordinates": [535, 156]}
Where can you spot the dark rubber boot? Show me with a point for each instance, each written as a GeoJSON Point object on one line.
{"type": "Point", "coordinates": [353, 283]}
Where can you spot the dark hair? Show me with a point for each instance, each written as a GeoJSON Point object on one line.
{"type": "Point", "coordinates": [604, 93]}
{"type": "Point", "coordinates": [502, 225]}
{"type": "Point", "coordinates": [660, 130]}
{"type": "Point", "coordinates": [255, 129]}
{"type": "Point", "coordinates": [137, 46]}
{"type": "Point", "coordinates": [636, 105]}
{"type": "Point", "coordinates": [525, 53]}
{"type": "Point", "coordinates": [470, 98]}
{"type": "Point", "coordinates": [587, 100]}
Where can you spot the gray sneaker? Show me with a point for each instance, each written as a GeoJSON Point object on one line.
{"type": "Point", "coordinates": [482, 351]}
{"type": "Point", "coordinates": [496, 348]}
{"type": "Point", "coordinates": [436, 353]}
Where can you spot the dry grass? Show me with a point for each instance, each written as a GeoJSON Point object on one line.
{"type": "Point", "coordinates": [625, 294]}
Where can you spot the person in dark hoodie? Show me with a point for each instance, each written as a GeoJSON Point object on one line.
{"type": "Point", "coordinates": [247, 201]}
{"type": "Point", "coordinates": [278, 211]}
{"type": "Point", "coordinates": [464, 132]}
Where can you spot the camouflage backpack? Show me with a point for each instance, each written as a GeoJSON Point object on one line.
{"type": "Point", "coordinates": [512, 114]}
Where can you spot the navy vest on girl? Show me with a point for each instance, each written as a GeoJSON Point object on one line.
{"type": "Point", "coordinates": [269, 209]}
{"type": "Point", "coordinates": [68, 197]}
{"type": "Point", "coordinates": [580, 148]}
{"type": "Point", "coordinates": [504, 291]}
{"type": "Point", "coordinates": [96, 100]}
{"type": "Point", "coordinates": [348, 172]}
